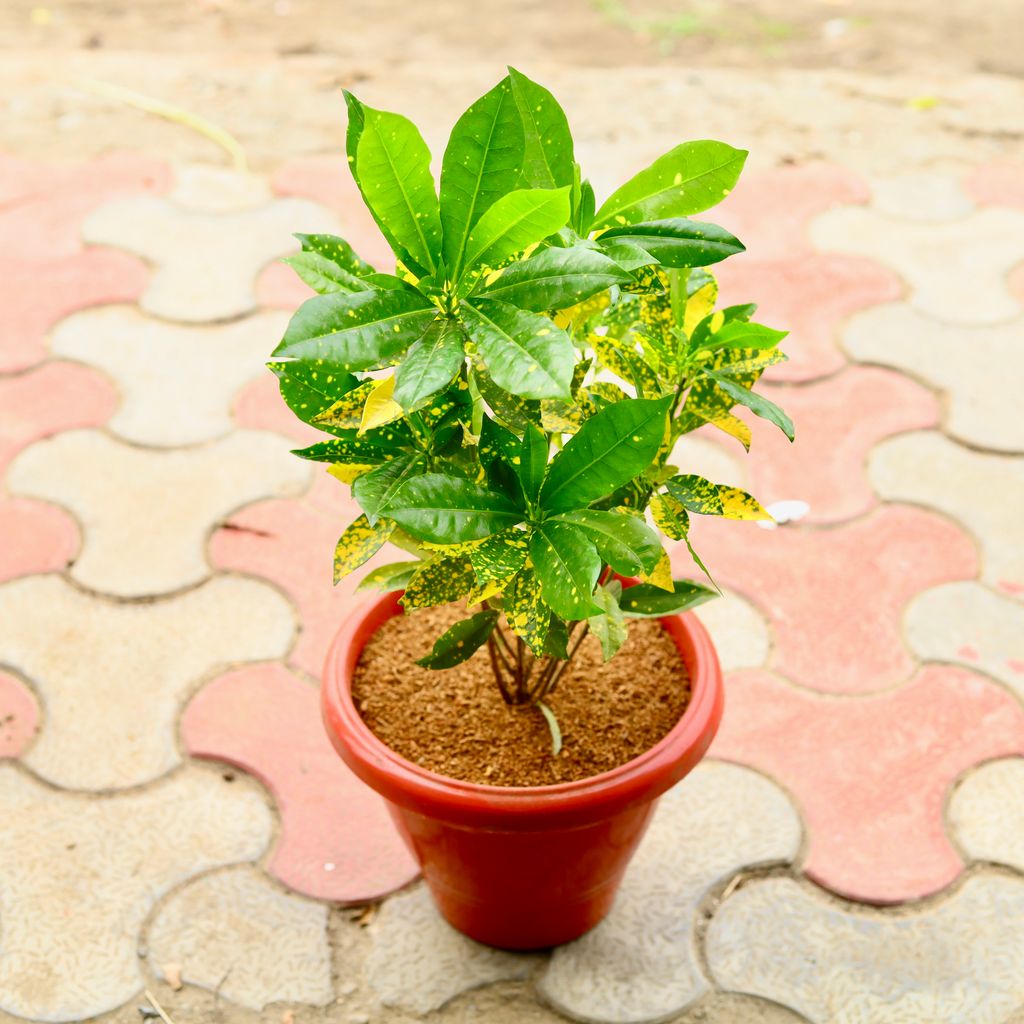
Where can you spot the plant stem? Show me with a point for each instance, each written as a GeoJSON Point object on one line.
{"type": "Point", "coordinates": [492, 649]}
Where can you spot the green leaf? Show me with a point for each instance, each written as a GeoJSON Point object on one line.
{"type": "Point", "coordinates": [443, 579]}
{"type": "Point", "coordinates": [359, 542]}
{"type": "Point", "coordinates": [706, 498]}
{"type": "Point", "coordinates": [627, 255]}
{"type": "Point", "coordinates": [548, 159]}
{"type": "Point", "coordinates": [514, 223]}
{"type": "Point", "coordinates": [482, 163]}
{"type": "Point", "coordinates": [373, 490]}
{"type": "Point", "coordinates": [392, 169]}
{"type": "Point", "coordinates": [338, 251]}
{"type": "Point", "coordinates": [611, 448]}
{"type": "Point", "coordinates": [646, 601]}
{"type": "Point", "coordinates": [447, 509]}
{"type": "Point", "coordinates": [360, 450]}
{"type": "Point", "coordinates": [309, 386]}
{"type": "Point", "coordinates": [392, 576]}
{"type": "Point", "coordinates": [733, 333]}
{"type": "Point", "coordinates": [686, 180]}
{"type": "Point", "coordinates": [430, 364]}
{"type": "Point", "coordinates": [461, 641]}
{"type": "Point", "coordinates": [356, 330]}
{"type": "Point", "coordinates": [525, 353]}
{"type": "Point", "coordinates": [553, 728]}
{"type": "Point", "coordinates": [555, 279]}
{"type": "Point", "coordinates": [609, 627]}
{"type": "Point", "coordinates": [567, 565]}
{"type": "Point", "coordinates": [757, 404]}
{"type": "Point", "coordinates": [323, 276]}
{"type": "Point", "coordinates": [624, 541]}
{"type": "Point", "coordinates": [556, 643]}
{"type": "Point", "coordinates": [500, 556]}
{"type": "Point", "coordinates": [533, 461]}
{"type": "Point", "coordinates": [677, 242]}
{"type": "Point", "coordinates": [511, 410]}
{"type": "Point", "coordinates": [527, 614]}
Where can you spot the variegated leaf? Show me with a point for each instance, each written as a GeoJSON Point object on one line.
{"type": "Point", "coordinates": [669, 516]}
{"type": "Point", "coordinates": [500, 556]}
{"type": "Point", "coordinates": [439, 581]}
{"type": "Point", "coordinates": [527, 614]}
{"type": "Point", "coordinates": [359, 542]}
{"type": "Point", "coordinates": [610, 626]}
{"type": "Point", "coordinates": [347, 412]}
{"type": "Point", "coordinates": [661, 574]}
{"type": "Point", "coordinates": [380, 407]}
{"type": "Point", "coordinates": [697, 494]}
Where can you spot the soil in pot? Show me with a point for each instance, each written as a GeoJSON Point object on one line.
{"type": "Point", "coordinates": [455, 723]}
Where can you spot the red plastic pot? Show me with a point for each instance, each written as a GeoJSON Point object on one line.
{"type": "Point", "coordinates": [521, 868]}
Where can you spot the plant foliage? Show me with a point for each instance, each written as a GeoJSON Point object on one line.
{"type": "Point", "coordinates": [505, 404]}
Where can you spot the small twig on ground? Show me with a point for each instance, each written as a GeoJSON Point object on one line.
{"type": "Point", "coordinates": [156, 1006]}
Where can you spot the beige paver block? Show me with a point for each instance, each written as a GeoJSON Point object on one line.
{"type": "Point", "coordinates": [986, 813]}
{"type": "Point", "coordinates": [738, 630]}
{"type": "Point", "coordinates": [922, 195]}
{"type": "Point", "coordinates": [971, 625]}
{"type": "Point", "coordinates": [205, 264]}
{"type": "Point", "coordinates": [975, 366]}
{"type": "Point", "coordinates": [418, 962]}
{"type": "Point", "coordinates": [112, 675]}
{"type": "Point", "coordinates": [640, 964]}
{"type": "Point", "coordinates": [956, 269]}
{"type": "Point", "coordinates": [237, 933]}
{"type": "Point", "coordinates": [145, 514]}
{"type": "Point", "coordinates": [983, 492]}
{"type": "Point", "coordinates": [80, 874]}
{"type": "Point", "coordinates": [177, 382]}
{"type": "Point", "coordinates": [960, 961]}
{"type": "Point", "coordinates": [721, 462]}
{"type": "Point", "coordinates": [215, 189]}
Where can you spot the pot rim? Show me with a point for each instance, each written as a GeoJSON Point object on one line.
{"type": "Point", "coordinates": [517, 807]}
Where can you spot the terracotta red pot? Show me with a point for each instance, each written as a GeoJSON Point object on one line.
{"type": "Point", "coordinates": [521, 868]}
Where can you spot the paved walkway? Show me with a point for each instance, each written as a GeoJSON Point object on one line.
{"type": "Point", "coordinates": [173, 818]}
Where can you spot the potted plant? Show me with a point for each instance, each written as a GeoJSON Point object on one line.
{"type": "Point", "coordinates": [504, 407]}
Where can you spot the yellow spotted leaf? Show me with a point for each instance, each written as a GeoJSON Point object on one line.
{"type": "Point", "coordinates": [359, 542]}
{"type": "Point", "coordinates": [669, 516]}
{"type": "Point", "coordinates": [380, 407]}
{"type": "Point", "coordinates": [347, 474]}
{"type": "Point", "coordinates": [347, 412]}
{"type": "Point", "coordinates": [699, 305]}
{"type": "Point", "coordinates": [582, 311]}
{"type": "Point", "coordinates": [661, 574]}
{"type": "Point", "coordinates": [485, 592]}
{"type": "Point", "coordinates": [696, 494]}
{"type": "Point", "coordinates": [500, 556]}
{"type": "Point", "coordinates": [527, 614]}
{"type": "Point", "coordinates": [439, 581]}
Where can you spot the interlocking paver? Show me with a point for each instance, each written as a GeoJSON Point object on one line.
{"type": "Point", "coordinates": [112, 674]}
{"type": "Point", "coordinates": [81, 874]}
{"type": "Point", "coordinates": [957, 359]}
{"type": "Point", "coordinates": [19, 716]}
{"type": "Point", "coordinates": [769, 210]}
{"type": "Point", "coordinates": [337, 841]}
{"type": "Point", "coordinates": [923, 196]}
{"type": "Point", "coordinates": [42, 205]}
{"type": "Point", "coordinates": [279, 287]}
{"type": "Point", "coordinates": [418, 962]}
{"type": "Point", "coordinates": [37, 537]}
{"type": "Point", "coordinates": [177, 381]}
{"type": "Point", "coordinates": [236, 933]}
{"type": "Point", "coordinates": [871, 774]}
{"type": "Point", "coordinates": [961, 962]}
{"type": "Point", "coordinates": [998, 183]}
{"type": "Point", "coordinates": [956, 269]}
{"type": "Point", "coordinates": [971, 625]}
{"type": "Point", "coordinates": [810, 297]}
{"type": "Point", "coordinates": [146, 516]}
{"type": "Point", "coordinates": [640, 963]}
{"type": "Point", "coordinates": [213, 189]}
{"type": "Point", "coordinates": [291, 543]}
{"type": "Point", "coordinates": [984, 492]}
{"type": "Point", "coordinates": [834, 597]}
{"type": "Point", "coordinates": [328, 181]}
{"type": "Point", "coordinates": [204, 263]}
{"type": "Point", "coordinates": [986, 813]}
{"type": "Point", "coordinates": [739, 632]}
{"type": "Point", "coordinates": [259, 406]}
{"type": "Point", "coordinates": [53, 397]}
{"type": "Point", "coordinates": [837, 421]}
{"type": "Point", "coordinates": [34, 299]}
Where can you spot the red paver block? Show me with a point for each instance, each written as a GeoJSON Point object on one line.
{"type": "Point", "coordinates": [279, 287]}
{"type": "Point", "coordinates": [290, 542]}
{"type": "Point", "coordinates": [768, 211]}
{"type": "Point", "coordinates": [835, 596]}
{"type": "Point", "coordinates": [838, 421]}
{"type": "Point", "coordinates": [871, 774]}
{"type": "Point", "coordinates": [54, 397]}
{"type": "Point", "coordinates": [259, 406]}
{"type": "Point", "coordinates": [326, 180]}
{"type": "Point", "coordinates": [35, 537]}
{"type": "Point", "coordinates": [337, 841]}
{"type": "Point", "coordinates": [34, 297]}
{"type": "Point", "coordinates": [19, 715]}
{"type": "Point", "coordinates": [810, 297]}
{"type": "Point", "coordinates": [42, 205]}
{"type": "Point", "coordinates": [999, 183]}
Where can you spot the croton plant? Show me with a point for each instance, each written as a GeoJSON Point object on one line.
{"type": "Point", "coordinates": [506, 403]}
